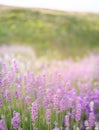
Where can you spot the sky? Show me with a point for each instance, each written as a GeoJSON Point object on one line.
{"type": "Point", "coordinates": [64, 5]}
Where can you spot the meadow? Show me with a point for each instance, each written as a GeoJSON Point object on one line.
{"type": "Point", "coordinates": [51, 33]}
{"type": "Point", "coordinates": [65, 97]}
{"type": "Point", "coordinates": [49, 70]}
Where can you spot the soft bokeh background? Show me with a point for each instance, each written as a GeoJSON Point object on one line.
{"type": "Point", "coordinates": [49, 33]}
{"type": "Point", "coordinates": [49, 65]}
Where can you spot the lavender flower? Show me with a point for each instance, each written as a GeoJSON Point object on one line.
{"type": "Point", "coordinates": [15, 120]}
{"type": "Point", "coordinates": [14, 66]}
{"type": "Point", "coordinates": [28, 100]}
{"type": "Point", "coordinates": [91, 119]}
{"type": "Point", "coordinates": [34, 110]}
{"type": "Point", "coordinates": [15, 123]}
{"type": "Point", "coordinates": [2, 125]}
{"type": "Point", "coordinates": [55, 102]}
{"type": "Point", "coordinates": [83, 128]}
{"type": "Point", "coordinates": [78, 112]}
{"type": "Point", "coordinates": [8, 96]}
{"type": "Point", "coordinates": [16, 94]}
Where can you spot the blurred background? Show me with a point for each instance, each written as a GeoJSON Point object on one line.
{"type": "Point", "coordinates": [49, 29]}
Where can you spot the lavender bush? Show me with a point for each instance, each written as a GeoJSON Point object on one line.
{"type": "Point", "coordinates": [60, 96]}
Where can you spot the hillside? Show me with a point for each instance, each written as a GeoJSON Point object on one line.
{"type": "Point", "coordinates": [66, 34]}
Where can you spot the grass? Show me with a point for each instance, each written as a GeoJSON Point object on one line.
{"type": "Point", "coordinates": [51, 33]}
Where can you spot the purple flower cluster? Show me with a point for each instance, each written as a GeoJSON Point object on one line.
{"type": "Point", "coordinates": [34, 110]}
{"type": "Point", "coordinates": [2, 125]}
{"type": "Point", "coordinates": [70, 99]}
{"type": "Point", "coordinates": [15, 120]}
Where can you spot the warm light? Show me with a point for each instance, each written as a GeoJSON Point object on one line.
{"type": "Point", "coordinates": [66, 5]}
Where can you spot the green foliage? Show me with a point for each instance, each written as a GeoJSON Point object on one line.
{"type": "Point", "coordinates": [66, 34]}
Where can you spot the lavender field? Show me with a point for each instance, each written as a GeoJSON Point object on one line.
{"type": "Point", "coordinates": [41, 94]}
{"type": "Point", "coordinates": [49, 69]}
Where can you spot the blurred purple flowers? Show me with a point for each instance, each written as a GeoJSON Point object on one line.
{"type": "Point", "coordinates": [64, 96]}
{"type": "Point", "coordinates": [15, 120]}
